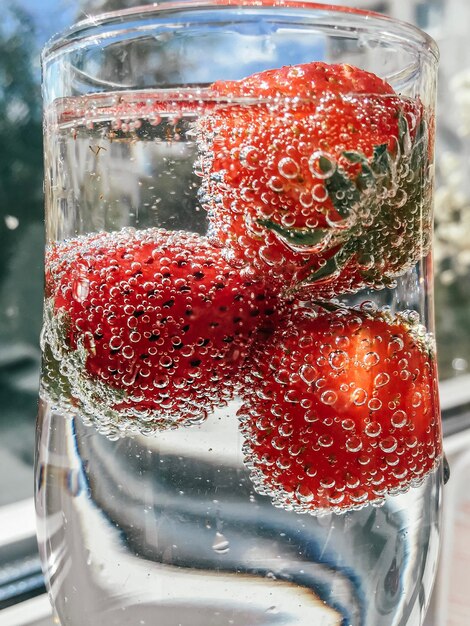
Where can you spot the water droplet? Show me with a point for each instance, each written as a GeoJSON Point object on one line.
{"type": "Point", "coordinates": [220, 544]}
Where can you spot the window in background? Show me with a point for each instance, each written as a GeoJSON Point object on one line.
{"type": "Point", "coordinates": [24, 28]}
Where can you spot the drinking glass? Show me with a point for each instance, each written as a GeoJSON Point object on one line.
{"type": "Point", "coordinates": [239, 419]}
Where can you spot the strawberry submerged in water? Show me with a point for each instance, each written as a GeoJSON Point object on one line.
{"type": "Point", "coordinates": [342, 410]}
{"type": "Point", "coordinates": [319, 180]}
{"type": "Point", "coordinates": [150, 328]}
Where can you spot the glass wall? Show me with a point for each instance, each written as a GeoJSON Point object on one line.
{"type": "Point", "coordinates": [25, 26]}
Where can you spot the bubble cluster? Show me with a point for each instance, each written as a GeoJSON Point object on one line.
{"type": "Point", "coordinates": [329, 192]}
{"type": "Point", "coordinates": [343, 433]}
{"type": "Point", "coordinates": [147, 329]}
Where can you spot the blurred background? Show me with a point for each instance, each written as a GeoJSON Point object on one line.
{"type": "Point", "coordinates": [25, 26]}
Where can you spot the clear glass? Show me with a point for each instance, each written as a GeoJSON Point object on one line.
{"type": "Point", "coordinates": [239, 419]}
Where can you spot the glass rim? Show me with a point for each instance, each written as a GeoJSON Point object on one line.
{"type": "Point", "coordinates": [118, 20]}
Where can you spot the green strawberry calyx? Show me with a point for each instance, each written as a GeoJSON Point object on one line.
{"type": "Point", "coordinates": [385, 212]}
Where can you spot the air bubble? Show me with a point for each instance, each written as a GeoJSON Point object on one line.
{"type": "Point", "coordinates": [308, 373]}
{"type": "Point", "coordinates": [320, 193]}
{"type": "Point", "coordinates": [115, 342]}
{"type": "Point", "coordinates": [396, 344]}
{"type": "Point", "coordinates": [373, 429]}
{"type": "Point", "coordinates": [327, 482]}
{"type": "Point", "coordinates": [328, 397]}
{"type": "Point", "coordinates": [416, 399]}
{"type": "Point", "coordinates": [389, 444]}
{"type": "Point", "coordinates": [352, 482]}
{"type": "Point", "coordinates": [306, 199]}
{"type": "Point", "coordinates": [283, 463]}
{"type": "Point", "coordinates": [359, 396]}
{"type": "Point", "coordinates": [336, 497]}
{"type": "Point", "coordinates": [325, 441]}
{"type": "Point", "coordinates": [374, 404]}
{"type": "Point", "coordinates": [288, 168]}
{"type": "Point", "coordinates": [127, 352]}
{"type": "Point", "coordinates": [249, 157]}
{"type": "Point", "coordinates": [275, 184]}
{"type": "Point", "coordinates": [338, 359]}
{"type": "Point", "coordinates": [411, 442]}
{"type": "Point", "coordinates": [371, 359]}
{"type": "Point", "coordinates": [304, 494]}
{"type": "Point", "coordinates": [381, 379]}
{"type": "Point", "coordinates": [399, 419]}
{"type": "Point", "coordinates": [354, 444]}
{"type": "Point", "coordinates": [278, 443]}
{"type": "Point", "coordinates": [286, 430]}
{"type": "Point", "coordinates": [321, 164]}
{"type": "Point", "coordinates": [220, 544]}
{"type": "Point", "coordinates": [359, 495]}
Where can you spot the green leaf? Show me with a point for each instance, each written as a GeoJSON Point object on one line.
{"type": "Point", "coordinates": [355, 157]}
{"type": "Point", "coordinates": [403, 132]}
{"type": "Point", "coordinates": [381, 159]}
{"type": "Point", "coordinates": [326, 270]}
{"type": "Point", "coordinates": [419, 151]}
{"type": "Point", "coordinates": [298, 236]}
{"type": "Point", "coordinates": [339, 183]}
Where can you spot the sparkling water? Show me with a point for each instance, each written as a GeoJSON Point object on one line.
{"type": "Point", "coordinates": [169, 528]}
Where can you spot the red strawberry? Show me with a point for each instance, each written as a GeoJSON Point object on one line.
{"type": "Point", "coordinates": [323, 183]}
{"type": "Point", "coordinates": [342, 410]}
{"type": "Point", "coordinates": [151, 327]}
